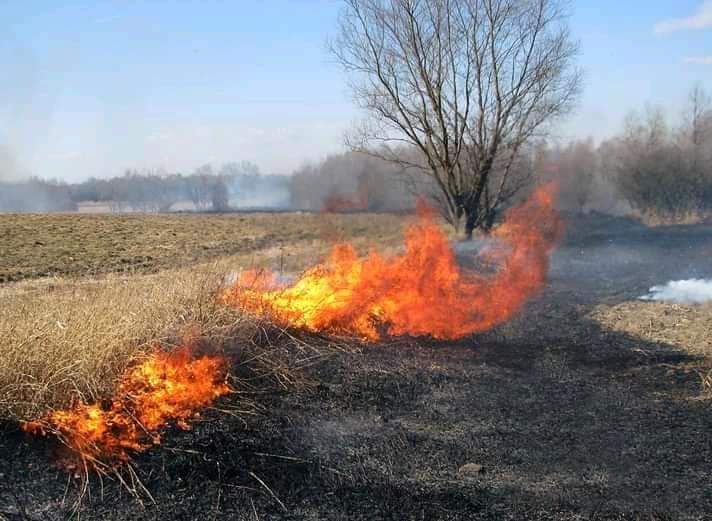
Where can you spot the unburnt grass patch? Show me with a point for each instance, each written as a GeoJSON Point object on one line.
{"type": "Point", "coordinates": [46, 245]}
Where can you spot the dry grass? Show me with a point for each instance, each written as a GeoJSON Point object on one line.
{"type": "Point", "coordinates": [685, 326]}
{"type": "Point", "coordinates": [64, 338]}
{"type": "Point", "coordinates": [663, 219]}
{"type": "Point", "coordinates": [706, 380]}
{"type": "Point", "coordinates": [73, 340]}
{"type": "Point", "coordinates": [72, 324]}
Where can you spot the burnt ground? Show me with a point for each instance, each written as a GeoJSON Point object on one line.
{"type": "Point", "coordinates": [565, 420]}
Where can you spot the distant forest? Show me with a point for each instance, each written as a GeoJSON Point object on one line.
{"type": "Point", "coordinates": [234, 185]}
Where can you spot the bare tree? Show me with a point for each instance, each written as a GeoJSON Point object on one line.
{"type": "Point", "coordinates": [467, 82]}
{"type": "Point", "coordinates": [698, 116]}
{"type": "Point", "coordinates": [199, 186]}
{"type": "Point", "coordinates": [694, 136]}
{"type": "Point", "coordinates": [220, 195]}
{"type": "Point", "coordinates": [696, 143]}
{"type": "Point", "coordinates": [656, 172]}
{"type": "Point", "coordinates": [574, 167]}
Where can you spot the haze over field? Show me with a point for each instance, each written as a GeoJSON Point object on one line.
{"type": "Point", "coordinates": [91, 90]}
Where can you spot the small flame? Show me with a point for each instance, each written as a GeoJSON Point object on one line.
{"type": "Point", "coordinates": [165, 387]}
{"type": "Point", "coordinates": [420, 292]}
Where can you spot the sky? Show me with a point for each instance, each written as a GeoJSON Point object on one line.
{"type": "Point", "coordinates": [90, 88]}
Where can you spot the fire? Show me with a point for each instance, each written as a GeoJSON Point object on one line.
{"type": "Point", "coordinates": [165, 387]}
{"type": "Point", "coordinates": [421, 292]}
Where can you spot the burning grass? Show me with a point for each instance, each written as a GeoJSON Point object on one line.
{"type": "Point", "coordinates": [420, 292]}
{"type": "Point", "coordinates": [165, 387]}
{"type": "Point", "coordinates": [86, 361]}
{"type": "Point", "coordinates": [71, 350]}
{"type": "Point", "coordinates": [106, 365]}
{"type": "Point", "coordinates": [614, 385]}
{"type": "Point", "coordinates": [63, 343]}
{"type": "Point", "coordinates": [68, 342]}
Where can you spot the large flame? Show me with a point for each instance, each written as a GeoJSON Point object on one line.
{"type": "Point", "coordinates": [420, 292]}
{"type": "Point", "coordinates": [167, 386]}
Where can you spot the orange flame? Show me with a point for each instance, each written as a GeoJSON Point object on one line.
{"type": "Point", "coordinates": [166, 386]}
{"type": "Point", "coordinates": [420, 292]}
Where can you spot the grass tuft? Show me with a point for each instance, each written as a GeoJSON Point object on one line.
{"type": "Point", "coordinates": [73, 341]}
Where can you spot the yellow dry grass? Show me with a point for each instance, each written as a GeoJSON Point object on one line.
{"type": "Point", "coordinates": [687, 327]}
{"type": "Point", "coordinates": [684, 326]}
{"type": "Point", "coordinates": [69, 337]}
{"type": "Point", "coordinates": [61, 341]}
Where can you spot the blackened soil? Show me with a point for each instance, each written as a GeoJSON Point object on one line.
{"type": "Point", "coordinates": [565, 420]}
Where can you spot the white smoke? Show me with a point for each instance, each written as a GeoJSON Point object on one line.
{"type": "Point", "coordinates": [690, 291]}
{"type": "Point", "coordinates": [281, 279]}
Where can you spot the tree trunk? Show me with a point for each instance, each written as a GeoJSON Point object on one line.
{"type": "Point", "coordinates": [471, 218]}
{"type": "Point", "coordinates": [472, 207]}
{"type": "Point", "coordinates": [489, 221]}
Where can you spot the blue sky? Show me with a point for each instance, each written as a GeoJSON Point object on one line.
{"type": "Point", "coordinates": [91, 88]}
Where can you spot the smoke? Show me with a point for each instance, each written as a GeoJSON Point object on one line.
{"type": "Point", "coordinates": [259, 192]}
{"type": "Point", "coordinates": [689, 291]}
{"type": "Point", "coordinates": [148, 191]}
{"type": "Point", "coordinates": [26, 108]}
{"type": "Point", "coordinates": [351, 181]}
{"type": "Point", "coordinates": [8, 163]}
{"type": "Point", "coordinates": [282, 279]}
{"type": "Point", "coordinates": [35, 196]}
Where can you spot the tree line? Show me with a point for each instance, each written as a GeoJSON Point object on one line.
{"type": "Point", "coordinates": [146, 190]}
{"type": "Point", "coordinates": [351, 181]}
{"type": "Point", "coordinates": [459, 99]}
{"type": "Point", "coordinates": [665, 171]}
{"type": "Point", "coordinates": [659, 171]}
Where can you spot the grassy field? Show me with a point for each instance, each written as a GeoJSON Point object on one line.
{"type": "Point", "coordinates": [590, 404]}
{"type": "Point", "coordinates": [45, 245]}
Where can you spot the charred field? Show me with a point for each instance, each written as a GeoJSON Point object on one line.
{"type": "Point", "coordinates": [587, 405]}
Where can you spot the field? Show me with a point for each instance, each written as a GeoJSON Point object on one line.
{"type": "Point", "coordinates": [65, 245]}
{"type": "Point", "coordinates": [588, 405]}
{"type": "Point", "coordinates": [98, 288]}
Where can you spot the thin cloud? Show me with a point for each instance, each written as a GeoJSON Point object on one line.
{"type": "Point", "coordinates": [698, 60]}
{"type": "Point", "coordinates": [700, 20]}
